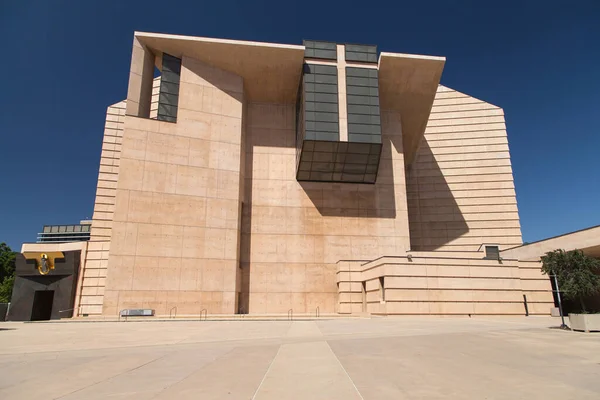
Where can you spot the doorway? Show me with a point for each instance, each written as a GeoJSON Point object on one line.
{"type": "Point", "coordinates": [364, 296]}
{"type": "Point", "coordinates": [42, 305]}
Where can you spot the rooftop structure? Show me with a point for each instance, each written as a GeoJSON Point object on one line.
{"type": "Point", "coordinates": [65, 233]}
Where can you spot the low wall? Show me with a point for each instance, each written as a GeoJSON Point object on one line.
{"type": "Point", "coordinates": [432, 283]}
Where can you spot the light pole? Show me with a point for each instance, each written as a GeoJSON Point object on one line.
{"type": "Point", "coordinates": [560, 310]}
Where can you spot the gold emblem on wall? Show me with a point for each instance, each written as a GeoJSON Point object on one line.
{"type": "Point", "coordinates": [44, 262]}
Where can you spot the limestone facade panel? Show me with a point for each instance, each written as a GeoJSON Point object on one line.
{"type": "Point", "coordinates": [177, 202]}
{"type": "Point", "coordinates": [460, 188]}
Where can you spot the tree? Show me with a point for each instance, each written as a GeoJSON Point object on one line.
{"type": "Point", "coordinates": [578, 275]}
{"type": "Point", "coordinates": [7, 272]}
{"type": "Point", "coordinates": [6, 288]}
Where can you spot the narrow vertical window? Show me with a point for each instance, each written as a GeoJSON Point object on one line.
{"type": "Point", "coordinates": [168, 98]}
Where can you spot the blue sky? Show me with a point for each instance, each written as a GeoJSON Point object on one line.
{"type": "Point", "coordinates": [64, 62]}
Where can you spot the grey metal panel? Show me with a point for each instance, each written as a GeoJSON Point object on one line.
{"type": "Point", "coordinates": [327, 146]}
{"type": "Point", "coordinates": [170, 63]}
{"type": "Point", "coordinates": [316, 49]}
{"type": "Point", "coordinates": [322, 166]}
{"type": "Point", "coordinates": [316, 44]}
{"type": "Point", "coordinates": [321, 107]}
{"type": "Point", "coordinates": [169, 76]}
{"type": "Point", "coordinates": [321, 176]}
{"type": "Point", "coordinates": [320, 69]}
{"type": "Point", "coordinates": [361, 57]}
{"type": "Point", "coordinates": [306, 156]}
{"type": "Point", "coordinates": [354, 137]}
{"type": "Point", "coordinates": [166, 118]}
{"type": "Point", "coordinates": [358, 72]}
{"type": "Point", "coordinates": [168, 99]}
{"type": "Point", "coordinates": [363, 100]}
{"type": "Point", "coordinates": [364, 119]}
{"type": "Point", "coordinates": [362, 81]}
{"type": "Point", "coordinates": [363, 90]}
{"type": "Point", "coordinates": [321, 123]}
{"type": "Point", "coordinates": [370, 178]}
{"type": "Point", "coordinates": [305, 165]}
{"type": "Point", "coordinates": [326, 136]}
{"type": "Point", "coordinates": [371, 169]}
{"type": "Point", "coordinates": [322, 126]}
{"type": "Point", "coordinates": [357, 109]}
{"type": "Point", "coordinates": [364, 122]}
{"type": "Point", "coordinates": [364, 129]}
{"type": "Point", "coordinates": [310, 135]}
{"type": "Point", "coordinates": [358, 148]}
{"type": "Point", "coordinates": [354, 168]}
{"type": "Point", "coordinates": [320, 78]}
{"type": "Point", "coordinates": [356, 158]}
{"type": "Point", "coordinates": [168, 87]}
{"type": "Point", "coordinates": [321, 97]}
{"type": "Point", "coordinates": [352, 178]}
{"type": "Point", "coordinates": [361, 48]}
{"type": "Point", "coordinates": [362, 72]}
{"type": "Point", "coordinates": [308, 145]}
{"type": "Point", "coordinates": [323, 157]}
{"type": "Point", "coordinates": [322, 116]}
{"type": "Point", "coordinates": [325, 54]}
{"type": "Point", "coordinates": [373, 157]}
{"type": "Point", "coordinates": [320, 88]}
{"type": "Point", "coordinates": [361, 53]}
{"type": "Point", "coordinates": [166, 109]}
{"type": "Point", "coordinates": [303, 176]}
{"type": "Point", "coordinates": [338, 162]}
{"type": "Point", "coordinates": [376, 149]}
{"type": "Point", "coordinates": [356, 81]}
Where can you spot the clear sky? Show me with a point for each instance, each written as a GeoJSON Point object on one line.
{"type": "Point", "coordinates": [64, 62]}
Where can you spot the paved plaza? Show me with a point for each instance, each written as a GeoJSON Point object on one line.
{"type": "Point", "coordinates": [378, 358]}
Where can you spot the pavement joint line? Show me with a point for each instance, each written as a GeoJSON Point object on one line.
{"type": "Point", "coordinates": [110, 377]}
{"type": "Point", "coordinates": [344, 369]}
{"type": "Point", "coordinates": [266, 373]}
{"type": "Point", "coordinates": [214, 358]}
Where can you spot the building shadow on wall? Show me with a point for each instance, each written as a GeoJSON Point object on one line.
{"type": "Point", "coordinates": [268, 134]}
{"type": "Point", "coordinates": [435, 218]}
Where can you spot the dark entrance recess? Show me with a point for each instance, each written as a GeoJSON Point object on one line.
{"type": "Point", "coordinates": [42, 305]}
{"type": "Point", "coordinates": [38, 297]}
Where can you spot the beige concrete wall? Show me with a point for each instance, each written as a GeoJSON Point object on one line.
{"type": "Point", "coordinates": [92, 291]}
{"type": "Point", "coordinates": [294, 232]}
{"type": "Point", "coordinates": [443, 284]}
{"type": "Point", "coordinates": [460, 188]}
{"type": "Point", "coordinates": [536, 286]}
{"type": "Point", "coordinates": [96, 259]}
{"type": "Point", "coordinates": [141, 74]}
{"type": "Point", "coordinates": [175, 234]}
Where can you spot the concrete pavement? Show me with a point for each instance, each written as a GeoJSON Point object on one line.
{"type": "Point", "coordinates": [379, 358]}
